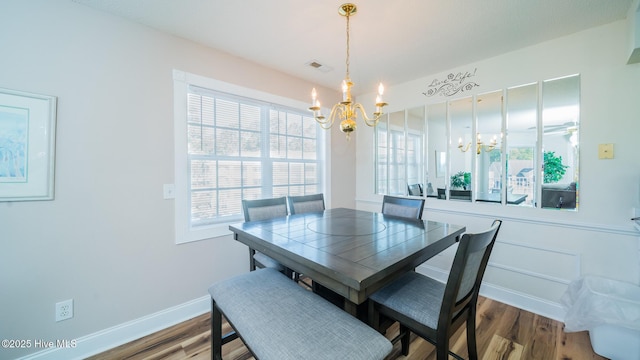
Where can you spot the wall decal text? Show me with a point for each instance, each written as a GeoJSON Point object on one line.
{"type": "Point", "coordinates": [453, 84]}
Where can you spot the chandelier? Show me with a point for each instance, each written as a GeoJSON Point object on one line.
{"type": "Point", "coordinates": [346, 109]}
{"type": "Point", "coordinates": [479, 144]}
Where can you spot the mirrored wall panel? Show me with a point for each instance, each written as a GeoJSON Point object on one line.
{"type": "Point", "coordinates": [461, 120]}
{"type": "Point", "coordinates": [560, 119]}
{"type": "Point", "coordinates": [522, 135]}
{"type": "Point", "coordinates": [416, 135]}
{"type": "Point", "coordinates": [382, 157]}
{"type": "Point", "coordinates": [516, 147]}
{"type": "Point", "coordinates": [400, 153]}
{"type": "Point", "coordinates": [437, 147]}
{"type": "Point", "coordinates": [489, 147]}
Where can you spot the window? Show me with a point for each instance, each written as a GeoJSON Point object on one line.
{"type": "Point", "coordinates": [237, 147]}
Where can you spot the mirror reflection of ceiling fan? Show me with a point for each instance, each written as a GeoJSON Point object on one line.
{"type": "Point", "coordinates": [569, 127]}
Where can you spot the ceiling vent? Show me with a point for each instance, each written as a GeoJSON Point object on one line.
{"type": "Point", "coordinates": [316, 65]}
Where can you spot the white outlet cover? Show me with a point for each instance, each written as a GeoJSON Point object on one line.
{"type": "Point", "coordinates": [64, 310]}
{"type": "Point", "coordinates": [169, 191]}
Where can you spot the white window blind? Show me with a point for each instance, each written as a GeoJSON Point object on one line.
{"type": "Point", "coordinates": [241, 148]}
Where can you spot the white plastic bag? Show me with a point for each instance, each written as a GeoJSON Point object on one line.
{"type": "Point", "coordinates": [592, 301]}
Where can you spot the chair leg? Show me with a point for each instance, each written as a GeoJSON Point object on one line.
{"type": "Point", "coordinates": [373, 315]}
{"type": "Point", "coordinates": [405, 340]}
{"type": "Point", "coordinates": [289, 273]}
{"type": "Point", "coordinates": [252, 261]}
{"type": "Point", "coordinates": [442, 345]}
{"type": "Point", "coordinates": [216, 332]}
{"type": "Point", "coordinates": [471, 337]}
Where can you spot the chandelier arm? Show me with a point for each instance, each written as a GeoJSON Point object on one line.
{"type": "Point", "coordinates": [371, 122]}
{"type": "Point", "coordinates": [465, 148]}
{"type": "Point", "coordinates": [328, 122]}
{"type": "Point", "coordinates": [324, 122]}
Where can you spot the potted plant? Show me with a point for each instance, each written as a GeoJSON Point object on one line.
{"type": "Point", "coordinates": [461, 180]}
{"type": "Point", "coordinates": [553, 168]}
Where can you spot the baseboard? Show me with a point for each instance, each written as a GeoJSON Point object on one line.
{"type": "Point", "coordinates": [520, 300]}
{"type": "Point", "coordinates": [106, 339]}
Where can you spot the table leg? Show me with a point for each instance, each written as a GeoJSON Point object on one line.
{"type": "Point", "coordinates": [351, 308]}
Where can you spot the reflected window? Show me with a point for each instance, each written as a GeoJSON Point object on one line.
{"type": "Point", "coordinates": [400, 153]}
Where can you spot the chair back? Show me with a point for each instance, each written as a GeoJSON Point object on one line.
{"type": "Point", "coordinates": [415, 189]}
{"type": "Point", "coordinates": [460, 194]}
{"type": "Point", "coordinates": [263, 209]}
{"type": "Point", "coordinates": [462, 288]}
{"type": "Point", "coordinates": [410, 208]}
{"type": "Point", "coordinates": [306, 203]}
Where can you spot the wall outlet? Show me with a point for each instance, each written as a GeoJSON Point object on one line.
{"type": "Point", "coordinates": [64, 310]}
{"type": "Point", "coordinates": [168, 191]}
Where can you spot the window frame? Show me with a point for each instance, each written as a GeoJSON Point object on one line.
{"type": "Point", "coordinates": [184, 231]}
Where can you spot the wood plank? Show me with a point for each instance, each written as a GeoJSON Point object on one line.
{"type": "Point", "coordinates": [503, 349]}
{"type": "Point", "coordinates": [574, 346]}
{"type": "Point", "coordinates": [542, 345]}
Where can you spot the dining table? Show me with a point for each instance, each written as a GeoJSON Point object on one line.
{"type": "Point", "coordinates": [352, 253]}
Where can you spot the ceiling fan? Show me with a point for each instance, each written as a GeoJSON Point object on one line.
{"type": "Point", "coordinates": [569, 127]}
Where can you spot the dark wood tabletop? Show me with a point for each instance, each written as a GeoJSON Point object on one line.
{"type": "Point", "coordinates": [351, 252]}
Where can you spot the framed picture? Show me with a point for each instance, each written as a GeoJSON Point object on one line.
{"type": "Point", "coordinates": [27, 145]}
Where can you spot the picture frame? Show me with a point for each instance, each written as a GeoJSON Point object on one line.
{"type": "Point", "coordinates": [27, 145]}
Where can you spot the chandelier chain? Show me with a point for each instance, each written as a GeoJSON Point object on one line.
{"type": "Point", "coordinates": [347, 61]}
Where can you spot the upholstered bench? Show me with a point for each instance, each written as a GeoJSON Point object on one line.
{"type": "Point", "coordinates": [279, 320]}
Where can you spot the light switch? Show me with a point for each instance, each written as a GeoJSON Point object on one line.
{"type": "Point", "coordinates": [169, 191]}
{"type": "Point", "coordinates": [605, 151]}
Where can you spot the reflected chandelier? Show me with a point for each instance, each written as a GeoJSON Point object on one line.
{"type": "Point", "coordinates": [479, 144]}
{"type": "Point", "coordinates": [346, 109]}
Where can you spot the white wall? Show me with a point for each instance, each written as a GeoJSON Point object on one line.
{"type": "Point", "coordinates": [540, 251]}
{"type": "Point", "coordinates": [107, 240]}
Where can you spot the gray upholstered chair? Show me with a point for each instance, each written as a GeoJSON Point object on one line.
{"type": "Point", "coordinates": [306, 203]}
{"type": "Point", "coordinates": [402, 207]}
{"type": "Point", "coordinates": [433, 310]}
{"type": "Point", "coordinates": [414, 189]}
{"type": "Point", "coordinates": [263, 209]}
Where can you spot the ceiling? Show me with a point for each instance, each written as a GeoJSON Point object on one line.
{"type": "Point", "coordinates": [391, 41]}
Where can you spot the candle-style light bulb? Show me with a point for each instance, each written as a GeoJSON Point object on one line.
{"type": "Point", "coordinates": [380, 90]}
{"type": "Point", "coordinates": [344, 90]}
{"type": "Point", "coordinates": [314, 94]}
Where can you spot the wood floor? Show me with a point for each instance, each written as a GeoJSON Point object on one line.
{"type": "Point", "coordinates": [503, 332]}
